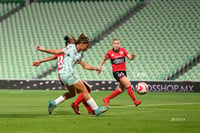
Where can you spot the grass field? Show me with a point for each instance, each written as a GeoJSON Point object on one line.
{"type": "Point", "coordinates": [26, 112]}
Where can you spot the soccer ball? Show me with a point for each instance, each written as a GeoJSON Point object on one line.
{"type": "Point", "coordinates": [142, 88]}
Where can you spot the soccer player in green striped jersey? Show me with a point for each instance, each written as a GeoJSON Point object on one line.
{"type": "Point", "coordinates": [73, 55]}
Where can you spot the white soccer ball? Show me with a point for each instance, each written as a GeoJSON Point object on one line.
{"type": "Point", "coordinates": [142, 88]}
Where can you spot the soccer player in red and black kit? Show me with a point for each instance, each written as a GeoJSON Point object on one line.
{"type": "Point", "coordinates": [117, 56]}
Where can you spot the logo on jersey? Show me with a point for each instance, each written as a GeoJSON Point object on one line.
{"type": "Point", "coordinates": [118, 60]}
{"type": "Point", "coordinates": [121, 52]}
{"type": "Point", "coordinates": [120, 74]}
{"type": "Point", "coordinates": [112, 54]}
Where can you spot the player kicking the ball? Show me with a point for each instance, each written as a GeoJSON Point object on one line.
{"type": "Point", "coordinates": [60, 57]}
{"type": "Point", "coordinates": [73, 54]}
{"type": "Point", "coordinates": [117, 56]}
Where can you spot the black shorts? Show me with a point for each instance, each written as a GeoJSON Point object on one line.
{"type": "Point", "coordinates": [119, 74]}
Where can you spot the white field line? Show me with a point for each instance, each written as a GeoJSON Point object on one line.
{"type": "Point", "coordinates": [151, 105]}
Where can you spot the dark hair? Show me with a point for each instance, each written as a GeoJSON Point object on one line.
{"type": "Point", "coordinates": [72, 39]}
{"type": "Point", "coordinates": [82, 39]}
{"type": "Point", "coordinates": [67, 40]}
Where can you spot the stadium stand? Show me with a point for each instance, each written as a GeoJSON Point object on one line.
{"type": "Point", "coordinates": [46, 24]}
{"type": "Point", "coordinates": [192, 75]}
{"type": "Point", "coordinates": [5, 7]}
{"type": "Point", "coordinates": [164, 35]}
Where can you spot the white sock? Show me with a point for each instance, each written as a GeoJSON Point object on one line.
{"type": "Point", "coordinates": [92, 103]}
{"type": "Point", "coordinates": [59, 100]}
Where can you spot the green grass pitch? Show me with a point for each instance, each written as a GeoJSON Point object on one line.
{"type": "Point", "coordinates": [25, 111]}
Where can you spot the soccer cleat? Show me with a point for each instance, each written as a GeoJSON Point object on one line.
{"type": "Point", "coordinates": [136, 102]}
{"type": "Point", "coordinates": [101, 110]}
{"type": "Point", "coordinates": [106, 101]}
{"type": "Point", "coordinates": [52, 105]}
{"type": "Point", "coordinates": [75, 108]}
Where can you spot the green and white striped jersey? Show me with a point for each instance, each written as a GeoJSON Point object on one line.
{"type": "Point", "coordinates": [72, 57]}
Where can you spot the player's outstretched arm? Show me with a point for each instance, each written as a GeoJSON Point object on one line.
{"type": "Point", "coordinates": [50, 51]}
{"type": "Point", "coordinates": [88, 67]}
{"type": "Point", "coordinates": [37, 63]}
{"type": "Point", "coordinates": [130, 57]}
{"type": "Point", "coordinates": [101, 64]}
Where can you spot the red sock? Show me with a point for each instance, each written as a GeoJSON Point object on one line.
{"type": "Point", "coordinates": [87, 106]}
{"type": "Point", "coordinates": [130, 92]}
{"type": "Point", "coordinates": [114, 94]}
{"type": "Point", "coordinates": [79, 99]}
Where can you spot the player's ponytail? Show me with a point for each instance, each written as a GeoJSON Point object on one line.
{"type": "Point", "coordinates": [82, 39]}
{"type": "Point", "coordinates": [67, 41]}
{"type": "Point", "coordinates": [72, 39]}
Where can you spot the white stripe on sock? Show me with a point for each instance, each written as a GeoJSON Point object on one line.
{"type": "Point", "coordinates": [59, 100]}
{"type": "Point", "coordinates": [92, 103]}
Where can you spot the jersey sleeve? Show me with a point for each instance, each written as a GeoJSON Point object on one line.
{"type": "Point", "coordinates": [82, 57]}
{"type": "Point", "coordinates": [56, 55]}
{"type": "Point", "coordinates": [64, 50]}
{"type": "Point", "coordinates": [107, 55]}
{"type": "Point", "coordinates": [68, 50]}
{"type": "Point", "coordinates": [125, 51]}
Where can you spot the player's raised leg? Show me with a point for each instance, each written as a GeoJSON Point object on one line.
{"type": "Point", "coordinates": [124, 82]}
{"type": "Point", "coordinates": [90, 101]}
{"type": "Point", "coordinates": [112, 95]}
{"type": "Point", "coordinates": [80, 99]}
{"type": "Point", "coordinates": [62, 98]}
